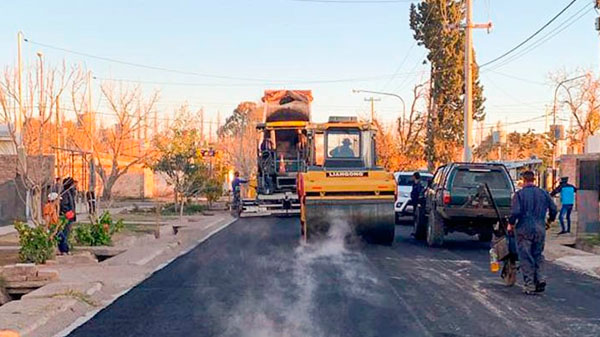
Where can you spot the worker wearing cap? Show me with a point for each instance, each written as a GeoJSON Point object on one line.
{"type": "Point", "coordinates": [50, 211]}
{"type": "Point", "coordinates": [344, 150]}
{"type": "Point", "coordinates": [567, 199]}
{"type": "Point", "coordinates": [528, 222]}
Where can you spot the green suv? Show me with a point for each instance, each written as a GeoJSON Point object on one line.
{"type": "Point", "coordinates": [456, 200]}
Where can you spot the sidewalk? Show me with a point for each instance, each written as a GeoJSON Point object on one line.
{"type": "Point", "coordinates": [84, 289]}
{"type": "Point", "coordinates": [558, 250]}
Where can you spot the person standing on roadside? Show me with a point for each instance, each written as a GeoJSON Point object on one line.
{"type": "Point", "coordinates": [50, 213]}
{"type": "Point", "coordinates": [567, 199]}
{"type": "Point", "coordinates": [528, 222]}
{"type": "Point", "coordinates": [416, 191]}
{"type": "Point", "coordinates": [417, 200]}
{"type": "Point", "coordinates": [67, 209]}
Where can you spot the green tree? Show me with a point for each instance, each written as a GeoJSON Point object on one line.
{"type": "Point", "coordinates": [244, 114]}
{"type": "Point", "coordinates": [179, 159]}
{"type": "Point", "coordinates": [432, 21]}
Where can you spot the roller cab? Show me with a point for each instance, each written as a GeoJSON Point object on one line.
{"type": "Point", "coordinates": [342, 186]}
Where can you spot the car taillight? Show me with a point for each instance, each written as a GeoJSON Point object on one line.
{"type": "Point", "coordinates": [447, 197]}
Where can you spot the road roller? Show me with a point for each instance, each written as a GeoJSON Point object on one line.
{"type": "Point", "coordinates": [343, 186]}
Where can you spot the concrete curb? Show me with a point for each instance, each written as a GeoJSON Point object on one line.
{"type": "Point", "coordinates": [195, 243]}
{"type": "Point", "coordinates": [573, 259]}
{"type": "Point", "coordinates": [5, 230]}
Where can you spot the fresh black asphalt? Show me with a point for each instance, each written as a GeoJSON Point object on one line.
{"type": "Point", "coordinates": [256, 279]}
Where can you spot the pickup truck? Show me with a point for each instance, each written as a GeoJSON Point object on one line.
{"type": "Point", "coordinates": [456, 200]}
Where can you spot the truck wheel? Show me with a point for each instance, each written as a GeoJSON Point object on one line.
{"type": "Point", "coordinates": [420, 224]}
{"type": "Point", "coordinates": [435, 230]}
{"type": "Point", "coordinates": [486, 234]}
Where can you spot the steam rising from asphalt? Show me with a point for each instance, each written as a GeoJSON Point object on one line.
{"type": "Point", "coordinates": [287, 305]}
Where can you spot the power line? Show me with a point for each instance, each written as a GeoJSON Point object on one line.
{"type": "Point", "coordinates": [407, 54]}
{"type": "Point", "coordinates": [213, 76]}
{"type": "Point", "coordinates": [516, 77]}
{"type": "Point", "coordinates": [530, 37]}
{"type": "Point", "coordinates": [553, 33]}
{"type": "Point", "coordinates": [355, 1]}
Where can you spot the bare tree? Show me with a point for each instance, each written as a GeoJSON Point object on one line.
{"type": "Point", "coordinates": [118, 148]}
{"type": "Point", "coordinates": [238, 137]}
{"type": "Point", "coordinates": [582, 99]}
{"type": "Point", "coordinates": [402, 147]}
{"type": "Point", "coordinates": [35, 140]}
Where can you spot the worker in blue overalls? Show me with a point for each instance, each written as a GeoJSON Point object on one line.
{"type": "Point", "coordinates": [567, 199]}
{"type": "Point", "coordinates": [528, 222]}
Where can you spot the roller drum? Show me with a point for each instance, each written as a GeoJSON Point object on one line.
{"type": "Point", "coordinates": [373, 220]}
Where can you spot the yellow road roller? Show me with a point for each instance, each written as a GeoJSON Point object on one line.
{"type": "Point", "coordinates": [342, 185]}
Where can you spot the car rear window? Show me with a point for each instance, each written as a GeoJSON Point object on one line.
{"type": "Point", "coordinates": [495, 179]}
{"type": "Point", "coordinates": [406, 180]}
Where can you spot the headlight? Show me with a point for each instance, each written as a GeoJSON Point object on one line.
{"type": "Point", "coordinates": [398, 204]}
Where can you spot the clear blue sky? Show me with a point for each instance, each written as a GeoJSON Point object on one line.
{"type": "Point", "coordinates": [293, 44]}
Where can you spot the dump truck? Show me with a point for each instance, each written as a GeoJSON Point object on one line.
{"type": "Point", "coordinates": [282, 152]}
{"type": "Point", "coordinates": [342, 185]}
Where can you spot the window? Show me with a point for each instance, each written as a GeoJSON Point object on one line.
{"type": "Point", "coordinates": [438, 176]}
{"type": "Point", "coordinates": [471, 178]}
{"type": "Point", "coordinates": [319, 149]}
{"type": "Point", "coordinates": [404, 180]}
{"type": "Point", "coordinates": [343, 144]}
{"type": "Point", "coordinates": [407, 180]}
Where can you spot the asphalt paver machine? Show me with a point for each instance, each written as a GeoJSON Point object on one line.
{"type": "Point", "coordinates": [282, 153]}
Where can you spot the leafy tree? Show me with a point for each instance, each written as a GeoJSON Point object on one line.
{"type": "Point", "coordinates": [431, 21]}
{"type": "Point", "coordinates": [179, 159]}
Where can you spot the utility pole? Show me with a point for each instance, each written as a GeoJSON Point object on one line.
{"type": "Point", "coordinates": [430, 146]}
{"type": "Point", "coordinates": [19, 122]}
{"type": "Point", "coordinates": [57, 129]}
{"type": "Point", "coordinates": [468, 99]}
{"type": "Point", "coordinates": [201, 113]}
{"type": "Point", "coordinates": [597, 21]}
{"type": "Point", "coordinates": [386, 94]}
{"type": "Point", "coordinates": [554, 127]}
{"type": "Point", "coordinates": [41, 108]}
{"type": "Point", "coordinates": [92, 126]}
{"type": "Point", "coordinates": [372, 100]}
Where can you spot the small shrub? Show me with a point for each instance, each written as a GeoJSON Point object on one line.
{"type": "Point", "coordinates": [98, 233]}
{"type": "Point", "coordinates": [38, 243]}
{"type": "Point", "coordinates": [594, 240]}
{"type": "Point", "coordinates": [213, 191]}
{"type": "Point", "coordinates": [188, 209]}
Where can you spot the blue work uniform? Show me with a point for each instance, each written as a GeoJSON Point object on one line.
{"type": "Point", "coordinates": [416, 192]}
{"type": "Point", "coordinates": [567, 199]}
{"type": "Point", "coordinates": [528, 215]}
{"type": "Point", "coordinates": [235, 184]}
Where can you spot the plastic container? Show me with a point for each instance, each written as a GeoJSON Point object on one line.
{"type": "Point", "coordinates": [494, 263]}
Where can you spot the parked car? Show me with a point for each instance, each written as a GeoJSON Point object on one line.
{"type": "Point", "coordinates": [456, 200]}
{"type": "Point", "coordinates": [404, 181]}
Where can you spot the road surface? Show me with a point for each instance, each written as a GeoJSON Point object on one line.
{"type": "Point", "coordinates": [255, 279]}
